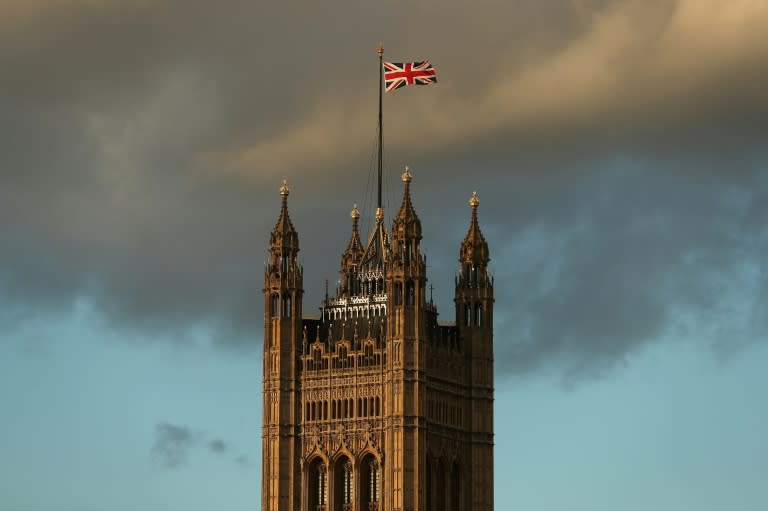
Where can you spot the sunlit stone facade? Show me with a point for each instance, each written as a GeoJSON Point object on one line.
{"type": "Point", "coordinates": [375, 405]}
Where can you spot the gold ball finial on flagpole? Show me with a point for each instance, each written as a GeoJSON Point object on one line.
{"type": "Point", "coordinates": [380, 50]}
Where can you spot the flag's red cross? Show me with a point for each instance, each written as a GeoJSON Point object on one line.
{"type": "Point", "coordinates": [400, 74]}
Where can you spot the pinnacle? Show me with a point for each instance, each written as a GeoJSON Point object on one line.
{"type": "Point", "coordinates": [407, 213]}
{"type": "Point", "coordinates": [284, 227]}
{"type": "Point", "coordinates": [474, 246]}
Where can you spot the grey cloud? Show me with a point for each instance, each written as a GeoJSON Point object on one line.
{"type": "Point", "coordinates": [536, 71]}
{"type": "Point", "coordinates": [218, 446]}
{"type": "Point", "coordinates": [636, 255]}
{"type": "Point", "coordinates": [635, 69]}
{"type": "Point", "coordinates": [173, 444]}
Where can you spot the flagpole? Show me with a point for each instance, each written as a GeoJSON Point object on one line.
{"type": "Point", "coordinates": [380, 51]}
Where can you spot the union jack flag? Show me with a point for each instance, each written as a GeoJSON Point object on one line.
{"type": "Point", "coordinates": [400, 74]}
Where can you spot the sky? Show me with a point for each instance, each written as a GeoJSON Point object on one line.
{"type": "Point", "coordinates": [618, 149]}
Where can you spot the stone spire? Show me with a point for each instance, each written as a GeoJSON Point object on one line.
{"type": "Point", "coordinates": [351, 258]}
{"type": "Point", "coordinates": [284, 235]}
{"type": "Point", "coordinates": [376, 251]}
{"type": "Point", "coordinates": [354, 247]}
{"type": "Point", "coordinates": [474, 248]}
{"type": "Point", "coordinates": [284, 240]}
{"type": "Point", "coordinates": [406, 224]}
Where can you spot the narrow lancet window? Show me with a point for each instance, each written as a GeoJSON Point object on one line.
{"type": "Point", "coordinates": [347, 483]}
{"type": "Point", "coordinates": [373, 481]}
{"type": "Point", "coordinates": [322, 485]}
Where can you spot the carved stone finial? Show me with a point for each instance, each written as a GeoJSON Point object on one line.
{"type": "Point", "coordinates": [474, 201]}
{"type": "Point", "coordinates": [284, 190]}
{"type": "Point", "coordinates": [406, 177]}
{"type": "Point", "coordinates": [354, 214]}
{"type": "Point", "coordinates": [379, 215]}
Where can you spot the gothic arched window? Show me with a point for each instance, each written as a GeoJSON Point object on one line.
{"type": "Point", "coordinates": [322, 486]}
{"type": "Point", "coordinates": [287, 306]}
{"type": "Point", "coordinates": [347, 483]}
{"type": "Point", "coordinates": [373, 482]}
{"type": "Point", "coordinates": [455, 486]}
{"type": "Point", "coordinates": [317, 482]}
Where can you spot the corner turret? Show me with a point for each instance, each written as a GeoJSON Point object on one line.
{"type": "Point", "coordinates": [474, 320]}
{"type": "Point", "coordinates": [406, 227]}
{"type": "Point", "coordinates": [283, 334]}
{"type": "Point", "coordinates": [284, 240]}
{"type": "Point", "coordinates": [350, 259]}
{"type": "Point", "coordinates": [473, 254]}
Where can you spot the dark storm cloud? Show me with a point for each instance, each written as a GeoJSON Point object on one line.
{"type": "Point", "coordinates": [291, 96]}
{"type": "Point", "coordinates": [143, 142]}
{"type": "Point", "coordinates": [616, 70]}
{"type": "Point", "coordinates": [174, 443]}
{"type": "Point", "coordinates": [637, 253]}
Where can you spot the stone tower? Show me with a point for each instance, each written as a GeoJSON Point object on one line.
{"type": "Point", "coordinates": [283, 291]}
{"type": "Point", "coordinates": [474, 318]}
{"type": "Point", "coordinates": [375, 405]}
